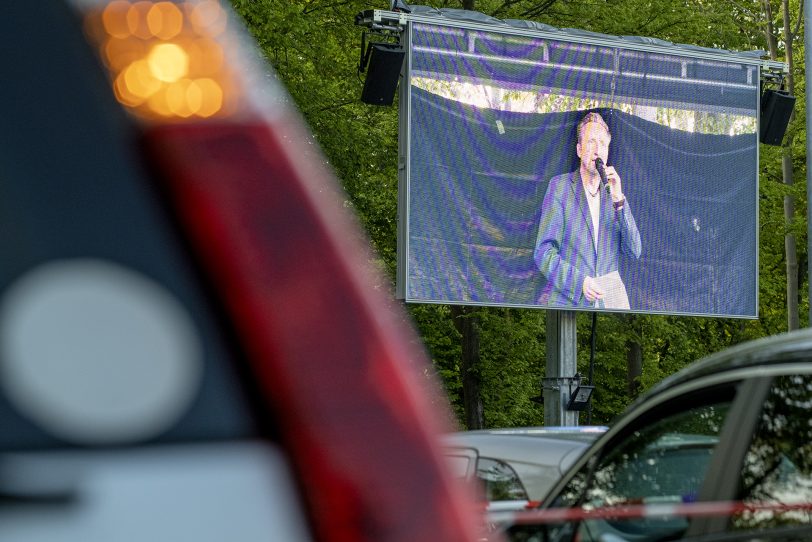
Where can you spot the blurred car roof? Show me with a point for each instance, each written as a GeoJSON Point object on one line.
{"type": "Point", "coordinates": [516, 439]}
{"type": "Point", "coordinates": [772, 350]}
{"type": "Point", "coordinates": [538, 455]}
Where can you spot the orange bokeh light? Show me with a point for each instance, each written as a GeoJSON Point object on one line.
{"type": "Point", "coordinates": [165, 20]}
{"type": "Point", "coordinates": [164, 58]}
{"type": "Point", "coordinates": [114, 19]}
{"type": "Point", "coordinates": [137, 19]}
{"type": "Point", "coordinates": [168, 62]}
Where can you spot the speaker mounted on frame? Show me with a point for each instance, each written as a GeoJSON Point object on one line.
{"type": "Point", "coordinates": [382, 62]}
{"type": "Point", "coordinates": [776, 110]}
{"type": "Point", "coordinates": [382, 59]}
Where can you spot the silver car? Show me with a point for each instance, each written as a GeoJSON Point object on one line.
{"type": "Point", "coordinates": [516, 467]}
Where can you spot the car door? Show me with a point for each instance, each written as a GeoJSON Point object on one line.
{"type": "Point", "coordinates": [667, 450]}
{"type": "Point", "coordinates": [775, 474]}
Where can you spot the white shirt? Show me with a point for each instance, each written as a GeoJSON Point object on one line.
{"type": "Point", "coordinates": [594, 210]}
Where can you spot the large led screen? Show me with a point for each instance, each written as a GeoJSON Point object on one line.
{"type": "Point", "coordinates": [503, 204]}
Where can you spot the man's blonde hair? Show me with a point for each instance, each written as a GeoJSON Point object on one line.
{"type": "Point", "coordinates": [592, 117]}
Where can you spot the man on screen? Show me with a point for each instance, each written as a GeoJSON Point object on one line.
{"type": "Point", "coordinates": [585, 224]}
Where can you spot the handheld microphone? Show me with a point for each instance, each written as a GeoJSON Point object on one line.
{"type": "Point", "coordinates": [602, 173]}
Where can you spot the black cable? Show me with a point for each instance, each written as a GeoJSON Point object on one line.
{"type": "Point", "coordinates": [362, 64]}
{"type": "Point", "coordinates": [591, 373]}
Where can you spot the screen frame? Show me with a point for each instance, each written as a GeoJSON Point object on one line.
{"type": "Point", "coordinates": [577, 37]}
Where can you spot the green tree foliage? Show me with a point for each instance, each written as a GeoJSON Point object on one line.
{"type": "Point", "coordinates": [315, 49]}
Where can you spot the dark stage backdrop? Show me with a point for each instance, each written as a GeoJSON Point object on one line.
{"type": "Point", "coordinates": [477, 179]}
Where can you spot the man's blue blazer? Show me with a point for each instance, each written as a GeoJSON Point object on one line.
{"type": "Point", "coordinates": [565, 251]}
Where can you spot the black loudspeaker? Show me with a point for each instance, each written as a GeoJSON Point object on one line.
{"type": "Point", "coordinates": [776, 108]}
{"type": "Point", "coordinates": [385, 62]}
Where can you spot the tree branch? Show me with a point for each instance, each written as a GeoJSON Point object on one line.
{"type": "Point", "coordinates": [800, 18]}
{"type": "Point", "coordinates": [327, 6]}
{"type": "Point", "coordinates": [505, 4]}
{"type": "Point", "coordinates": [328, 107]}
{"type": "Point", "coordinates": [744, 9]}
{"type": "Point", "coordinates": [538, 9]}
{"type": "Point", "coordinates": [769, 34]}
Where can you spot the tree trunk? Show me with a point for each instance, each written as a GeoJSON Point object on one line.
{"type": "Point", "coordinates": [789, 201]}
{"type": "Point", "coordinates": [634, 359]}
{"type": "Point", "coordinates": [790, 248]}
{"type": "Point", "coordinates": [793, 317]}
{"type": "Point", "coordinates": [467, 323]}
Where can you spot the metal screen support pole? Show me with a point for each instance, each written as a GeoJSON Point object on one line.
{"type": "Point", "coordinates": [561, 366]}
{"type": "Point", "coordinates": [808, 100]}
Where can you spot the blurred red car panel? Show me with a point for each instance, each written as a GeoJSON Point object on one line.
{"type": "Point", "coordinates": [206, 186]}
{"type": "Point", "coordinates": [309, 325]}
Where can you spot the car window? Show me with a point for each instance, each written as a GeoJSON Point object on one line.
{"type": "Point", "coordinates": [500, 481]}
{"type": "Point", "coordinates": [459, 464]}
{"type": "Point", "coordinates": [663, 461]}
{"type": "Point", "coordinates": [778, 465]}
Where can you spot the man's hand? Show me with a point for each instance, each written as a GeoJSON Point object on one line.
{"type": "Point", "coordinates": [591, 290]}
{"type": "Point", "coordinates": [613, 180]}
